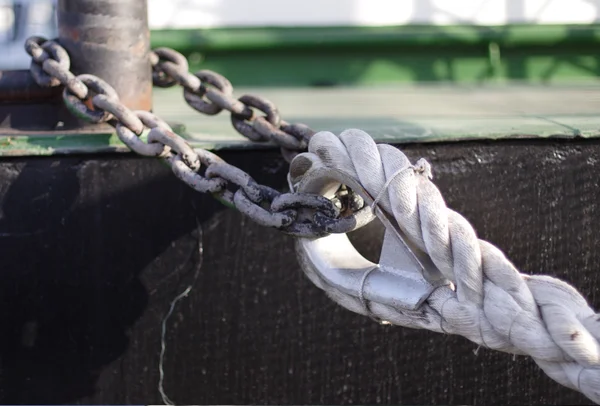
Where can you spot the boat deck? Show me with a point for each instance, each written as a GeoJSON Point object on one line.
{"type": "Point", "coordinates": [394, 114]}
{"type": "Point", "coordinates": [410, 113]}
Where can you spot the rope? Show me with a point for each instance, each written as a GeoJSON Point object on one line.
{"type": "Point", "coordinates": [491, 303]}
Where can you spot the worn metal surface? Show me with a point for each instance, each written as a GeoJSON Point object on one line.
{"type": "Point", "coordinates": [19, 86]}
{"type": "Point", "coordinates": [226, 182]}
{"type": "Point", "coordinates": [110, 39]}
{"type": "Point", "coordinates": [392, 114]}
{"type": "Point", "coordinates": [421, 113]}
{"type": "Point", "coordinates": [94, 250]}
{"type": "Point", "coordinates": [48, 121]}
{"type": "Point", "coordinates": [401, 278]}
{"type": "Point", "coordinates": [21, 98]}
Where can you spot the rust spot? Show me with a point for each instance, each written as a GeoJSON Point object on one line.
{"type": "Point", "coordinates": [69, 32]}
{"type": "Point", "coordinates": [88, 103]}
{"type": "Point", "coordinates": [72, 33]}
{"type": "Point", "coordinates": [575, 335]}
{"type": "Point", "coordinates": [6, 142]}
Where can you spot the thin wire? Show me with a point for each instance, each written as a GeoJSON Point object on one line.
{"type": "Point", "coordinates": [388, 183]}
{"type": "Point", "coordinates": [166, 400]}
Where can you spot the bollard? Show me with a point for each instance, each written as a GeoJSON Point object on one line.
{"type": "Point", "coordinates": [110, 39]}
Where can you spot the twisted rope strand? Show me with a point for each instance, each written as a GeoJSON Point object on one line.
{"type": "Point", "coordinates": [493, 304]}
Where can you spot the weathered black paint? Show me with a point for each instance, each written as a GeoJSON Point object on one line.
{"type": "Point", "coordinates": [93, 250]}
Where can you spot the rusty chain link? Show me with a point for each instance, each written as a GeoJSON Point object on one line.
{"type": "Point", "coordinates": [92, 99]}
{"type": "Point", "coordinates": [170, 68]}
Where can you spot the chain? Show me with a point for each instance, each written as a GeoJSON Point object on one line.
{"type": "Point", "coordinates": [92, 99]}
{"type": "Point", "coordinates": [210, 93]}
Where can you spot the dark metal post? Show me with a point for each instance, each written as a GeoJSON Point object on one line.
{"type": "Point", "coordinates": [110, 39]}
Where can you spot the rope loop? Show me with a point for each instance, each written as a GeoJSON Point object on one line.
{"type": "Point", "coordinates": [490, 303]}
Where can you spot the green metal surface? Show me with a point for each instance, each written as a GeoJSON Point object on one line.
{"type": "Point", "coordinates": [245, 39]}
{"type": "Point", "coordinates": [31, 145]}
{"type": "Point", "coordinates": [317, 56]}
{"type": "Point", "coordinates": [415, 113]}
{"type": "Point", "coordinates": [393, 114]}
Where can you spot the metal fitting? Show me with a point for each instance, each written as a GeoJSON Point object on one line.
{"type": "Point", "coordinates": [405, 276]}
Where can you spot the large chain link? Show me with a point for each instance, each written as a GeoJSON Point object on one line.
{"type": "Point", "coordinates": [210, 93]}
{"type": "Point", "coordinates": [92, 99]}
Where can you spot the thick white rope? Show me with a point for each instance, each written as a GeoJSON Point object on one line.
{"type": "Point", "coordinates": [492, 304]}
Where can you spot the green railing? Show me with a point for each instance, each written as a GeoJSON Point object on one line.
{"type": "Point", "coordinates": [381, 55]}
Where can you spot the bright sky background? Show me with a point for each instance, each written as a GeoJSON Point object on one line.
{"type": "Point", "coordinates": [211, 13]}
